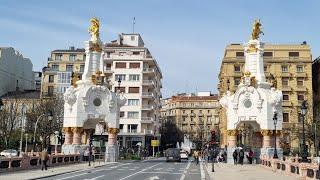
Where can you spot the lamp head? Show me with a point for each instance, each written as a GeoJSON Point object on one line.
{"type": "Point", "coordinates": [304, 108]}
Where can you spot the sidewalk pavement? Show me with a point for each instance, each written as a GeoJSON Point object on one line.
{"type": "Point", "coordinates": [52, 171]}
{"type": "Point", "coordinates": [245, 172]}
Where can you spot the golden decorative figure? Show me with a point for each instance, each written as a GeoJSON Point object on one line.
{"type": "Point", "coordinates": [113, 130]}
{"type": "Point", "coordinates": [74, 79]}
{"type": "Point", "coordinates": [252, 48]}
{"type": "Point", "coordinates": [232, 132]}
{"type": "Point", "coordinates": [94, 29]}
{"type": "Point", "coordinates": [66, 130]}
{"type": "Point", "coordinates": [253, 81]}
{"type": "Point", "coordinates": [256, 31]}
{"type": "Point", "coordinates": [266, 132]}
{"type": "Point", "coordinates": [77, 130]}
{"type": "Point", "coordinates": [94, 79]}
{"type": "Point", "coordinates": [247, 74]}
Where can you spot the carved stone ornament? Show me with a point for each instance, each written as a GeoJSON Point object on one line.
{"type": "Point", "coordinates": [76, 130]}
{"type": "Point", "coordinates": [266, 132]}
{"type": "Point", "coordinates": [113, 130]}
{"type": "Point", "coordinates": [66, 130]}
{"type": "Point", "coordinates": [95, 47]}
{"type": "Point", "coordinates": [69, 96]}
{"type": "Point", "coordinates": [232, 132]}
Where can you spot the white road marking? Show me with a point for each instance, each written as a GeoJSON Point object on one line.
{"type": "Point", "coordinates": [111, 168]}
{"type": "Point", "coordinates": [72, 176]}
{"type": "Point", "coordinates": [159, 173]}
{"type": "Point", "coordinates": [140, 171]}
{"type": "Point", "coordinates": [95, 178]}
{"type": "Point", "coordinates": [153, 178]}
{"type": "Point", "coordinates": [202, 174]}
{"type": "Point", "coordinates": [185, 171]}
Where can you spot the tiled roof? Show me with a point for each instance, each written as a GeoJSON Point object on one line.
{"type": "Point", "coordinates": [194, 98]}
{"type": "Point", "coordinates": [69, 50]}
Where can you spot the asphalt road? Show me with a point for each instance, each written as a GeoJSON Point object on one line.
{"type": "Point", "coordinates": [138, 170]}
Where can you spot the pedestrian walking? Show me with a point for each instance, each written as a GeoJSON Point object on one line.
{"type": "Point", "coordinates": [196, 156]}
{"type": "Point", "coordinates": [44, 158]}
{"type": "Point", "coordinates": [250, 156]}
{"type": "Point", "coordinates": [235, 157]}
{"type": "Point", "coordinates": [241, 156]}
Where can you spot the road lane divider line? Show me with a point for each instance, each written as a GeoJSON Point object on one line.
{"type": "Point", "coordinates": [95, 178]}
{"type": "Point", "coordinates": [72, 176]}
{"type": "Point", "coordinates": [185, 171]}
{"type": "Point", "coordinates": [111, 168]}
{"type": "Point", "coordinates": [140, 171]}
{"type": "Point", "coordinates": [202, 174]}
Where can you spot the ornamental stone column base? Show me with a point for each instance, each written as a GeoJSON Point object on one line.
{"type": "Point", "coordinates": [232, 144]}
{"type": "Point", "coordinates": [112, 148]}
{"type": "Point", "coordinates": [267, 150]}
{"type": "Point", "coordinates": [77, 131]}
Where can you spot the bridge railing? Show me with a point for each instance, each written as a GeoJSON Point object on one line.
{"type": "Point", "coordinates": [30, 162]}
{"type": "Point", "coordinates": [292, 166]}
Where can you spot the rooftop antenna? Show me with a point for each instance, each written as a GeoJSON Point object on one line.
{"type": "Point", "coordinates": [133, 23]}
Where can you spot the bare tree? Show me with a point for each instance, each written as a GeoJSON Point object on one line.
{"type": "Point", "coordinates": [46, 126]}
{"type": "Point", "coordinates": [9, 121]}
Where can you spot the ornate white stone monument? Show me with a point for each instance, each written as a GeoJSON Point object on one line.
{"type": "Point", "coordinates": [254, 103]}
{"type": "Point", "coordinates": [89, 102]}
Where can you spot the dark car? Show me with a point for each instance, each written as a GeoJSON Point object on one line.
{"type": "Point", "coordinates": [173, 154]}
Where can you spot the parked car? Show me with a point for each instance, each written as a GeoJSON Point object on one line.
{"type": "Point", "coordinates": [183, 155]}
{"type": "Point", "coordinates": [173, 154]}
{"type": "Point", "coordinates": [9, 153]}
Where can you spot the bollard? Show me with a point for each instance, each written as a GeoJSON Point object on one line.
{"type": "Point", "coordinates": [212, 170]}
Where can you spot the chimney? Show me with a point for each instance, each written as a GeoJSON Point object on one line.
{"type": "Point", "coordinates": [71, 48]}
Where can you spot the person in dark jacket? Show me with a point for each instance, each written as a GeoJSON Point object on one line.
{"type": "Point", "coordinates": [44, 158]}
{"type": "Point", "coordinates": [241, 156]}
{"type": "Point", "coordinates": [235, 157]}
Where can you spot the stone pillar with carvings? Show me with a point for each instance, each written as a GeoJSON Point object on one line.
{"type": "Point", "coordinates": [77, 131]}
{"type": "Point", "coordinates": [267, 134]}
{"type": "Point", "coordinates": [232, 138]}
{"type": "Point", "coordinates": [112, 148]}
{"type": "Point", "coordinates": [68, 135]}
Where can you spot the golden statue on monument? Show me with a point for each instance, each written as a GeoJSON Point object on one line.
{"type": "Point", "coordinates": [94, 29]}
{"type": "Point", "coordinates": [256, 30]}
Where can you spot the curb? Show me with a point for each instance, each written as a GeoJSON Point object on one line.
{"type": "Point", "coordinates": [52, 175]}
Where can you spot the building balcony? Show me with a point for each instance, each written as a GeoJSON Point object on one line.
{"type": "Point", "coordinates": [286, 74]}
{"type": "Point", "coordinates": [184, 114]}
{"type": "Point", "coordinates": [147, 120]}
{"type": "Point", "coordinates": [147, 95]}
{"type": "Point", "coordinates": [148, 70]}
{"type": "Point", "coordinates": [286, 88]}
{"type": "Point", "coordinates": [147, 107]}
{"type": "Point", "coordinates": [301, 88]}
{"type": "Point", "coordinates": [148, 83]}
{"type": "Point", "coordinates": [237, 74]}
{"type": "Point", "coordinates": [147, 132]}
{"type": "Point", "coordinates": [301, 74]}
{"type": "Point", "coordinates": [286, 103]}
{"type": "Point", "coordinates": [108, 70]}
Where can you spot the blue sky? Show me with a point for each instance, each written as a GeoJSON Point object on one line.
{"type": "Point", "coordinates": [186, 37]}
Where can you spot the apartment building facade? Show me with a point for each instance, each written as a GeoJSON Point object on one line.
{"type": "Point", "coordinates": [15, 71]}
{"type": "Point", "coordinates": [289, 68]}
{"type": "Point", "coordinates": [195, 115]}
{"type": "Point", "coordinates": [62, 64]}
{"type": "Point", "coordinates": [128, 60]}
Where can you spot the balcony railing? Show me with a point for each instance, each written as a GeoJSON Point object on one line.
{"type": "Point", "coordinates": [148, 82]}
{"type": "Point", "coordinates": [148, 70]}
{"type": "Point", "coordinates": [147, 94]}
{"type": "Point", "coordinates": [147, 107]}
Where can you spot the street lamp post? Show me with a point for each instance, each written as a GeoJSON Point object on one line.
{"type": "Point", "coordinates": [35, 128]}
{"type": "Point", "coordinates": [304, 153]}
{"type": "Point", "coordinates": [23, 121]}
{"type": "Point", "coordinates": [275, 120]}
